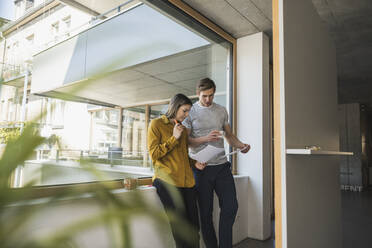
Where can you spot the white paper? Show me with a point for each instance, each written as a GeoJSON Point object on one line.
{"type": "Point", "coordinates": [206, 154]}
{"type": "Point", "coordinates": [231, 153]}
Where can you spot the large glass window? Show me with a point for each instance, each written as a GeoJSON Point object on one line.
{"type": "Point", "coordinates": [158, 53]}
{"type": "Point", "coordinates": [29, 4]}
{"type": "Point", "coordinates": [158, 110]}
{"type": "Point", "coordinates": [104, 130]}
{"type": "Point", "coordinates": [67, 23]}
{"type": "Point", "coordinates": [134, 136]}
{"type": "Point", "coordinates": [54, 30]}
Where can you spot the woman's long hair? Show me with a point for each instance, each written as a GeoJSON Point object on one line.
{"type": "Point", "coordinates": [175, 103]}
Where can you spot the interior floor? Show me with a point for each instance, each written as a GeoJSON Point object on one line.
{"type": "Point", "coordinates": [356, 221]}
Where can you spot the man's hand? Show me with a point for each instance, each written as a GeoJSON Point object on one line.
{"type": "Point", "coordinates": [177, 130]}
{"type": "Point", "coordinates": [245, 148]}
{"type": "Point", "coordinates": [200, 166]}
{"type": "Point", "coordinates": [213, 136]}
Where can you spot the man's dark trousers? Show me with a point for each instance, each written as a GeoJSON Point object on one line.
{"type": "Point", "coordinates": [216, 178]}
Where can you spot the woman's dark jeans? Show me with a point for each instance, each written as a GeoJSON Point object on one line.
{"type": "Point", "coordinates": [188, 211]}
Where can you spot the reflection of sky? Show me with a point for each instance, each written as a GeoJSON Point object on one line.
{"type": "Point", "coordinates": [7, 9]}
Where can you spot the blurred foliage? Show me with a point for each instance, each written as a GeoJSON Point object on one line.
{"type": "Point", "coordinates": [18, 210]}
{"type": "Point", "coordinates": [8, 133]}
{"type": "Point", "coordinates": [12, 131]}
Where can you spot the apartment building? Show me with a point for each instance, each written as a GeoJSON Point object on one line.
{"type": "Point", "coordinates": [38, 25]}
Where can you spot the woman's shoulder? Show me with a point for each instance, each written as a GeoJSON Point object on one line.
{"type": "Point", "coordinates": [155, 121]}
{"type": "Point", "coordinates": [158, 121]}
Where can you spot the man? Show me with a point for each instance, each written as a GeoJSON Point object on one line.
{"type": "Point", "coordinates": [205, 124]}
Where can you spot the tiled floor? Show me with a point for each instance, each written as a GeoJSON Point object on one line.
{"type": "Point", "coordinates": [252, 243]}
{"type": "Point", "coordinates": [356, 221]}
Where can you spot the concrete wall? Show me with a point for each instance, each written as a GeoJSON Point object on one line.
{"type": "Point", "coordinates": [52, 217]}
{"type": "Point", "coordinates": [43, 37]}
{"type": "Point", "coordinates": [310, 184]}
{"type": "Point", "coordinates": [253, 128]}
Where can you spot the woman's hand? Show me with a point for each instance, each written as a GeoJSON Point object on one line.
{"type": "Point", "coordinates": [200, 166]}
{"type": "Point", "coordinates": [177, 130]}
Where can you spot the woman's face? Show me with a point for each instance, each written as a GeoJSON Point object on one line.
{"type": "Point", "coordinates": [183, 112]}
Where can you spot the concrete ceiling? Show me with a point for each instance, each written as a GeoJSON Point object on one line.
{"type": "Point", "coordinates": [155, 80]}
{"type": "Point", "coordinates": [237, 17]}
{"type": "Point", "coordinates": [349, 23]}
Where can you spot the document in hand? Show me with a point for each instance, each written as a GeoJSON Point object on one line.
{"type": "Point", "coordinates": [206, 154]}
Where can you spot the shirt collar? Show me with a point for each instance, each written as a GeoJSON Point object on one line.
{"type": "Point", "coordinates": [201, 106]}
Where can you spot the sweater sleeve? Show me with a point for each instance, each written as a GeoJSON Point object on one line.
{"type": "Point", "coordinates": [191, 161]}
{"type": "Point", "coordinates": [157, 150]}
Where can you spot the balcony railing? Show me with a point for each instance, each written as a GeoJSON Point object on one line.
{"type": "Point", "coordinates": [94, 20]}
{"type": "Point", "coordinates": [114, 158]}
{"type": "Point", "coordinates": [9, 71]}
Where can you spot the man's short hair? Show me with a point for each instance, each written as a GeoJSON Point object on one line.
{"type": "Point", "coordinates": [205, 84]}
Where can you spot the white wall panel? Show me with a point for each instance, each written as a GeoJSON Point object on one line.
{"type": "Point", "coordinates": [253, 128]}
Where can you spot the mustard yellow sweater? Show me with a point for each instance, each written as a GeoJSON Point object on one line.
{"type": "Point", "coordinates": [169, 155]}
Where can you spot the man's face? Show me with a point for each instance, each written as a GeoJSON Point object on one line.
{"type": "Point", "coordinates": [206, 97]}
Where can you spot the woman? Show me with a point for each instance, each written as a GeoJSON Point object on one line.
{"type": "Point", "coordinates": [168, 148]}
